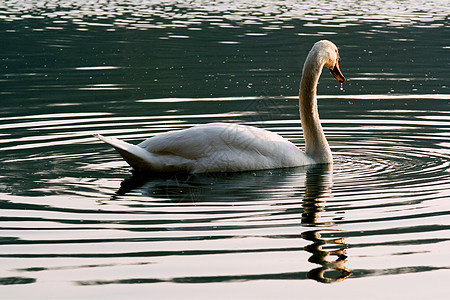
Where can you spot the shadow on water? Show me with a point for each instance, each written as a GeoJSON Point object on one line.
{"type": "Point", "coordinates": [327, 248]}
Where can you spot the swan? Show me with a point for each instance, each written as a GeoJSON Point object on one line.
{"type": "Point", "coordinates": [227, 147]}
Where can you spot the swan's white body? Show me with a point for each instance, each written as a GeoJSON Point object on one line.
{"type": "Point", "coordinates": [214, 147]}
{"type": "Point", "coordinates": [222, 147]}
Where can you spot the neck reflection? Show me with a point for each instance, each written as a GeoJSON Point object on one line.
{"type": "Point", "coordinates": [327, 249]}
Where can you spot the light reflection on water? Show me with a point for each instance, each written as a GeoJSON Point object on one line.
{"type": "Point", "coordinates": [385, 198]}
{"type": "Point", "coordinates": [73, 217]}
{"type": "Point", "coordinates": [269, 14]}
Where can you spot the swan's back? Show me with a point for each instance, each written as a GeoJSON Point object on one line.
{"type": "Point", "coordinates": [222, 147]}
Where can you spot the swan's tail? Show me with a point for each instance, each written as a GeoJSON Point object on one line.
{"type": "Point", "coordinates": [135, 156]}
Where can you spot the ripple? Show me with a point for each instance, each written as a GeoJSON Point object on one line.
{"type": "Point", "coordinates": [16, 280]}
{"type": "Point", "coordinates": [380, 210]}
{"type": "Point", "coordinates": [173, 14]}
{"type": "Point", "coordinates": [96, 68]}
{"type": "Point", "coordinates": [74, 215]}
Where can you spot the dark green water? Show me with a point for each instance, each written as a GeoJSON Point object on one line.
{"type": "Point", "coordinates": [74, 223]}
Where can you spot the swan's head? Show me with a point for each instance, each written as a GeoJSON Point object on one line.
{"type": "Point", "coordinates": [328, 54]}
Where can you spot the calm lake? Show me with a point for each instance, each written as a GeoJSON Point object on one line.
{"type": "Point", "coordinates": [76, 223]}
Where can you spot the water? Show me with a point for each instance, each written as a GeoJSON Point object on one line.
{"type": "Point", "coordinates": [75, 223]}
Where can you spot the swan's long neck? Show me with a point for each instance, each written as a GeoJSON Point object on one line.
{"type": "Point", "coordinates": [315, 142]}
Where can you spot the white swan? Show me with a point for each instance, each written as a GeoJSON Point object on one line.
{"type": "Point", "coordinates": [222, 147]}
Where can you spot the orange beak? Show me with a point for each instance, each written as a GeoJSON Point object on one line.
{"type": "Point", "coordinates": [337, 73]}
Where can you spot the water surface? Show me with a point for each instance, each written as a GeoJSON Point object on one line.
{"type": "Point", "coordinates": [76, 223]}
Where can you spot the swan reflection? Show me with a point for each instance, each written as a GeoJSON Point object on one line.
{"type": "Point", "coordinates": [327, 247]}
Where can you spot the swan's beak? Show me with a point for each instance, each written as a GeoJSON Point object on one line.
{"type": "Point", "coordinates": [336, 71]}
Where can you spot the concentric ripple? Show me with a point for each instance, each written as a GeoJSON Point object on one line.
{"type": "Point", "coordinates": [380, 209]}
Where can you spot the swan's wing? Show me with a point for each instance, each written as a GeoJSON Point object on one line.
{"type": "Point", "coordinates": [203, 140]}
{"type": "Point", "coordinates": [133, 155]}
{"type": "Point", "coordinates": [190, 143]}
{"type": "Point", "coordinates": [216, 147]}
{"type": "Point", "coordinates": [141, 159]}
{"type": "Point", "coordinates": [226, 147]}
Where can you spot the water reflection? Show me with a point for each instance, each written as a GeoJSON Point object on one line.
{"type": "Point", "coordinates": [270, 15]}
{"type": "Point", "coordinates": [196, 189]}
{"type": "Point", "coordinates": [331, 270]}
{"type": "Point", "coordinates": [319, 182]}
{"type": "Point", "coordinates": [177, 187]}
